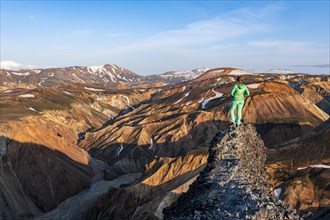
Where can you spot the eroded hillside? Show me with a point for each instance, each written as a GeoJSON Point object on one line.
{"type": "Point", "coordinates": [145, 145]}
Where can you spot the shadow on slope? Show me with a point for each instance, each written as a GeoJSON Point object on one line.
{"type": "Point", "coordinates": [140, 201]}
{"type": "Point", "coordinates": [47, 176]}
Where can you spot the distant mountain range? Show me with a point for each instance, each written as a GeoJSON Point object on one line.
{"type": "Point", "coordinates": [108, 75]}
{"type": "Point", "coordinates": [104, 76]}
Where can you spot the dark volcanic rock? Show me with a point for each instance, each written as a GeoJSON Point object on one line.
{"type": "Point", "coordinates": [233, 184]}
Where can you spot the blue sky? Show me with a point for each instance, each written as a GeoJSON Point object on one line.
{"type": "Point", "coordinates": [158, 36]}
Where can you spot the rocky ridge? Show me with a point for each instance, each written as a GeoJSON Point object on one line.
{"type": "Point", "coordinates": [233, 184]}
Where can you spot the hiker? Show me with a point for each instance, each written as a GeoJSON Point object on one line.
{"type": "Point", "coordinates": [239, 91]}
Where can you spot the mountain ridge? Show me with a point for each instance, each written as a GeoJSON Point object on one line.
{"type": "Point", "coordinates": [233, 183]}
{"type": "Point", "coordinates": [106, 75]}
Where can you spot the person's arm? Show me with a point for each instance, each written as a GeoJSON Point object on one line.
{"type": "Point", "coordinates": [247, 92]}
{"type": "Point", "coordinates": [233, 90]}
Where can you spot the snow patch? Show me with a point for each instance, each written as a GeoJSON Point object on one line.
{"type": "Point", "coordinates": [151, 143]}
{"type": "Point", "coordinates": [289, 76]}
{"type": "Point", "coordinates": [188, 103]}
{"type": "Point", "coordinates": [44, 79]}
{"type": "Point", "coordinates": [32, 109]}
{"type": "Point", "coordinates": [320, 166]}
{"type": "Point", "coordinates": [7, 91]}
{"type": "Point", "coordinates": [101, 70]}
{"type": "Point", "coordinates": [253, 86]}
{"type": "Point", "coordinates": [21, 74]}
{"type": "Point", "coordinates": [187, 75]}
{"type": "Point", "coordinates": [94, 69]}
{"type": "Point", "coordinates": [122, 77]}
{"type": "Point", "coordinates": [105, 79]}
{"type": "Point", "coordinates": [240, 72]}
{"type": "Point", "coordinates": [113, 78]}
{"type": "Point", "coordinates": [277, 192]}
{"type": "Point", "coordinates": [185, 95]}
{"type": "Point", "coordinates": [68, 93]}
{"type": "Point", "coordinates": [78, 78]}
{"type": "Point", "coordinates": [217, 95]}
{"type": "Point", "coordinates": [128, 103]}
{"type": "Point", "coordinates": [315, 166]}
{"type": "Point", "coordinates": [26, 96]}
{"type": "Point", "coordinates": [93, 89]}
{"type": "Point", "coordinates": [120, 149]}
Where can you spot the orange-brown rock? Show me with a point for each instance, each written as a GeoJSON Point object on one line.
{"type": "Point", "coordinates": [300, 168]}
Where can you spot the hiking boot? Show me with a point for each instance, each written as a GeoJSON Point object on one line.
{"type": "Point", "coordinates": [232, 125]}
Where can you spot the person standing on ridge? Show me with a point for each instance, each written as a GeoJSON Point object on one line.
{"type": "Point", "coordinates": [239, 91]}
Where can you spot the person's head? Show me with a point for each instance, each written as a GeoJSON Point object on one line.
{"type": "Point", "coordinates": [239, 79]}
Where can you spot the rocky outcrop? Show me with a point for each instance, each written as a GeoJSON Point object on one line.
{"type": "Point", "coordinates": [233, 184]}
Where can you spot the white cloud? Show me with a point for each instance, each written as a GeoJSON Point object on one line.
{"type": "Point", "coordinates": [207, 33]}
{"type": "Point", "coordinates": [280, 44]}
{"type": "Point", "coordinates": [12, 65]}
{"type": "Point", "coordinates": [259, 13]}
{"type": "Point", "coordinates": [286, 46]}
{"type": "Point", "coordinates": [213, 42]}
{"type": "Point", "coordinates": [200, 43]}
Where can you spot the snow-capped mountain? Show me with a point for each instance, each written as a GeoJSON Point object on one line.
{"type": "Point", "coordinates": [173, 77]}
{"type": "Point", "coordinates": [108, 75]}
{"type": "Point", "coordinates": [113, 73]}
{"type": "Point", "coordinates": [188, 75]}
{"type": "Point", "coordinates": [105, 75]}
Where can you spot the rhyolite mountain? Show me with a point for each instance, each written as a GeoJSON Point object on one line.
{"type": "Point", "coordinates": [300, 170]}
{"type": "Point", "coordinates": [105, 76]}
{"type": "Point", "coordinates": [76, 148]}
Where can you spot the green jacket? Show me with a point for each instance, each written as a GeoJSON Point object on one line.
{"type": "Point", "coordinates": [239, 91]}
